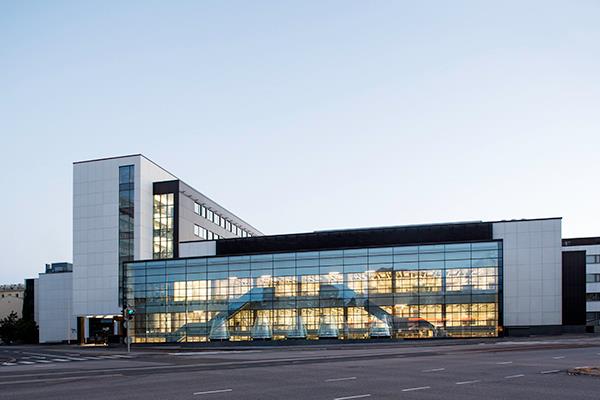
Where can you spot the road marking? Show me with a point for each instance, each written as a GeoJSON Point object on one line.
{"type": "Point", "coordinates": [513, 376]}
{"type": "Point", "coordinates": [559, 357]}
{"type": "Point", "coordinates": [7, 363]}
{"type": "Point", "coordinates": [504, 362]}
{"type": "Point", "coordinates": [552, 371]}
{"type": "Point", "coordinates": [60, 379]}
{"type": "Point", "coordinates": [340, 379]}
{"type": "Point", "coordinates": [41, 354]}
{"type": "Point", "coordinates": [43, 361]}
{"type": "Point", "coordinates": [213, 391]}
{"type": "Point", "coordinates": [433, 370]}
{"type": "Point", "coordinates": [416, 388]}
{"type": "Point", "coordinates": [467, 382]}
{"type": "Point", "coordinates": [26, 362]}
{"type": "Point", "coordinates": [359, 396]}
{"type": "Point", "coordinates": [60, 360]}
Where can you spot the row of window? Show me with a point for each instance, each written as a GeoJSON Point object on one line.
{"type": "Point", "coordinates": [591, 278]}
{"type": "Point", "coordinates": [215, 218]}
{"type": "Point", "coordinates": [334, 285]}
{"type": "Point", "coordinates": [205, 234]}
{"type": "Point", "coordinates": [592, 296]}
{"type": "Point", "coordinates": [592, 259]}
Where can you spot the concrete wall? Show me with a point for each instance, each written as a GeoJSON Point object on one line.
{"type": "Point", "coordinates": [55, 307]}
{"type": "Point", "coordinates": [532, 272]}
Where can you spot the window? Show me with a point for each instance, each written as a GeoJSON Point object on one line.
{"type": "Point", "coordinates": [592, 259]}
{"type": "Point", "coordinates": [197, 208]}
{"type": "Point", "coordinates": [592, 297]}
{"type": "Point", "coordinates": [591, 278]}
{"type": "Point", "coordinates": [164, 212]}
{"type": "Point", "coordinates": [209, 215]}
{"type": "Point", "coordinates": [228, 226]}
{"type": "Point", "coordinates": [200, 231]}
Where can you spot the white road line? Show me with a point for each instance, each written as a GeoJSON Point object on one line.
{"type": "Point", "coordinates": [8, 364]}
{"type": "Point", "coordinates": [359, 396]}
{"type": "Point", "coordinates": [504, 362]}
{"type": "Point", "coordinates": [42, 354]}
{"type": "Point", "coordinates": [433, 370]}
{"type": "Point", "coordinates": [26, 362]}
{"type": "Point", "coordinates": [552, 371]}
{"type": "Point", "coordinates": [213, 391]}
{"type": "Point", "coordinates": [514, 376]}
{"type": "Point", "coordinates": [43, 361]}
{"type": "Point", "coordinates": [60, 360]}
{"type": "Point", "coordinates": [350, 378]}
{"type": "Point", "coordinates": [558, 358]}
{"type": "Point", "coordinates": [467, 382]}
{"type": "Point", "coordinates": [416, 388]}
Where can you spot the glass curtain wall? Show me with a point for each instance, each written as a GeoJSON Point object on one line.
{"type": "Point", "coordinates": [126, 215]}
{"type": "Point", "coordinates": [409, 291]}
{"type": "Point", "coordinates": [162, 233]}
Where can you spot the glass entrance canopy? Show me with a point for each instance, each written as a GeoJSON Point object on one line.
{"type": "Point", "coordinates": [407, 291]}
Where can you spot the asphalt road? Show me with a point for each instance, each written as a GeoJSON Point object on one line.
{"type": "Point", "coordinates": [525, 369]}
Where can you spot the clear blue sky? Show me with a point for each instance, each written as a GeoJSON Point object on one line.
{"type": "Point", "coordinates": [302, 116]}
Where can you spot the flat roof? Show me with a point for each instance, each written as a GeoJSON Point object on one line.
{"type": "Point", "coordinates": [582, 241]}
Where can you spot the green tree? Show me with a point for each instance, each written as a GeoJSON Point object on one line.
{"type": "Point", "coordinates": [8, 328]}
{"type": "Point", "coordinates": [13, 329]}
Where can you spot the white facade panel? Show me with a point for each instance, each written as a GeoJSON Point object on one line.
{"type": "Point", "coordinates": [592, 306]}
{"type": "Point", "coordinates": [96, 229]}
{"type": "Point", "coordinates": [198, 249]}
{"type": "Point", "coordinates": [532, 271]}
{"type": "Point", "coordinates": [54, 307]}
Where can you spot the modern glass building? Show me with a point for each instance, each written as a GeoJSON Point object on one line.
{"type": "Point", "coordinates": [414, 291]}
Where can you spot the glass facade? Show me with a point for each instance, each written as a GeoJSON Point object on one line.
{"type": "Point", "coordinates": [162, 233]}
{"type": "Point", "coordinates": [408, 291]}
{"type": "Point", "coordinates": [126, 209]}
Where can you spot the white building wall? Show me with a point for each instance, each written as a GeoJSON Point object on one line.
{"type": "Point", "coordinates": [96, 229]}
{"type": "Point", "coordinates": [532, 271]}
{"type": "Point", "coordinates": [54, 294]}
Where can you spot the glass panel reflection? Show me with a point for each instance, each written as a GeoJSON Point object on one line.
{"type": "Point", "coordinates": [434, 291]}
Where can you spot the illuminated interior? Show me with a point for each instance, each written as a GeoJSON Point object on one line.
{"type": "Point", "coordinates": [402, 292]}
